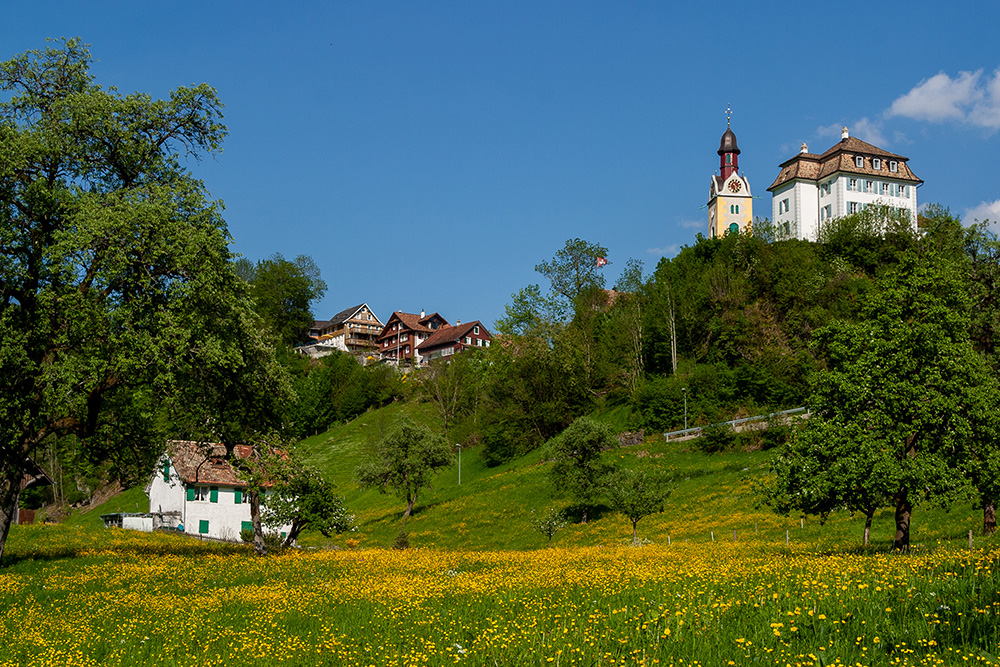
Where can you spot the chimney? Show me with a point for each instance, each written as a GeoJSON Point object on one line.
{"type": "Point", "coordinates": [421, 313]}
{"type": "Point", "coordinates": [459, 322]}
{"type": "Point", "coordinates": [844, 134]}
{"type": "Point", "coordinates": [804, 149]}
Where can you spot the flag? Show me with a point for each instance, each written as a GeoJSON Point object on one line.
{"type": "Point", "coordinates": [601, 262]}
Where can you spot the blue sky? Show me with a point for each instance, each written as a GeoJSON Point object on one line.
{"type": "Point", "coordinates": [428, 155]}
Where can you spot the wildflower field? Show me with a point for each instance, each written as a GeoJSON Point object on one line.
{"type": "Point", "coordinates": [76, 597]}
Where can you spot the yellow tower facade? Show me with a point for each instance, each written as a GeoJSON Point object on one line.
{"type": "Point", "coordinates": [730, 204]}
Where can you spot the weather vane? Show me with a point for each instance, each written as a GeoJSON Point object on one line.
{"type": "Point", "coordinates": [729, 113]}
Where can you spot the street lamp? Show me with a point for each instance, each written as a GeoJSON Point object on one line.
{"type": "Point", "coordinates": [459, 463]}
{"type": "Point", "coordinates": [685, 390]}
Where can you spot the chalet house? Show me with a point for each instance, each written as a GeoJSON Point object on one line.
{"type": "Point", "coordinates": [404, 332]}
{"type": "Point", "coordinates": [352, 330]}
{"type": "Point", "coordinates": [195, 490]}
{"type": "Point", "coordinates": [450, 340]}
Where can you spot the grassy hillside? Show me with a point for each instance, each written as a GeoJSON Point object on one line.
{"type": "Point", "coordinates": [491, 509]}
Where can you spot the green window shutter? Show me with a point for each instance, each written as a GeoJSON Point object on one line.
{"type": "Point", "coordinates": [238, 496]}
{"type": "Point", "coordinates": [282, 535]}
{"type": "Point", "coordinates": [213, 494]}
{"type": "Point", "coordinates": [247, 525]}
{"type": "Point", "coordinates": [203, 526]}
{"type": "Point", "coordinates": [190, 493]}
{"type": "Point", "coordinates": [166, 471]}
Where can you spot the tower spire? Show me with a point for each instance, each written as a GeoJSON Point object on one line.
{"type": "Point", "coordinates": [729, 114]}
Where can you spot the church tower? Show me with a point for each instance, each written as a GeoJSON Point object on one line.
{"type": "Point", "coordinates": [730, 204]}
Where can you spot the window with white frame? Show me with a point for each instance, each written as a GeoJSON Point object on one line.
{"type": "Point", "coordinates": [893, 166]}
{"type": "Point", "coordinates": [876, 163]}
{"type": "Point", "coordinates": [870, 186]}
{"type": "Point", "coordinates": [467, 340]}
{"type": "Point", "coordinates": [859, 161]}
{"type": "Point", "coordinates": [852, 207]}
{"type": "Point", "coordinates": [885, 188]}
{"type": "Point", "coordinates": [475, 329]}
{"type": "Point", "coordinates": [852, 185]}
{"type": "Point", "coordinates": [902, 191]}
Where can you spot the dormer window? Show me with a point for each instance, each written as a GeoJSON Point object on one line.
{"type": "Point", "coordinates": [876, 163]}
{"type": "Point", "coordinates": [893, 166]}
{"type": "Point", "coordinates": [475, 329]}
{"type": "Point", "coordinates": [859, 161]}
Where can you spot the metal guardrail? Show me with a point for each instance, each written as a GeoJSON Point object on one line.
{"type": "Point", "coordinates": [696, 431]}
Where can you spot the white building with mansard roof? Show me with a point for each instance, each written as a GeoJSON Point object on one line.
{"type": "Point", "coordinates": [811, 189]}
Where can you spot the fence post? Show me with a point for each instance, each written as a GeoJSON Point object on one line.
{"type": "Point", "coordinates": [786, 538]}
{"type": "Point", "coordinates": [713, 535]}
{"type": "Point", "coordinates": [734, 534]}
{"type": "Point", "coordinates": [970, 539]}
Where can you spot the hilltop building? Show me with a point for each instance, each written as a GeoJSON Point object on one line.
{"type": "Point", "coordinates": [811, 189]}
{"type": "Point", "coordinates": [351, 330]}
{"type": "Point", "coordinates": [730, 204]}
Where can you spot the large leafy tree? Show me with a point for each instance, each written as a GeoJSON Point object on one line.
{"type": "Point", "coordinates": [903, 405]}
{"type": "Point", "coordinates": [283, 292]}
{"type": "Point", "coordinates": [107, 244]}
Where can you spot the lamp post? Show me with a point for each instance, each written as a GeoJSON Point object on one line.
{"type": "Point", "coordinates": [459, 463]}
{"type": "Point", "coordinates": [685, 390]}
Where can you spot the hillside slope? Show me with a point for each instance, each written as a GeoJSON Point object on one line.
{"type": "Point", "coordinates": [491, 508]}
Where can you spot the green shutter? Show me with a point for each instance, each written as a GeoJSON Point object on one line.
{"type": "Point", "coordinates": [203, 526]}
{"type": "Point", "coordinates": [238, 495]}
{"type": "Point", "coordinates": [190, 493]}
{"type": "Point", "coordinates": [213, 494]}
{"type": "Point", "coordinates": [166, 471]}
{"type": "Point", "coordinates": [247, 525]}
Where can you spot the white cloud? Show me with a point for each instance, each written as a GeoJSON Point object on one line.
{"type": "Point", "coordinates": [987, 210]}
{"type": "Point", "coordinates": [663, 252]}
{"type": "Point", "coordinates": [693, 224]}
{"type": "Point", "coordinates": [868, 130]}
{"type": "Point", "coordinates": [968, 98]}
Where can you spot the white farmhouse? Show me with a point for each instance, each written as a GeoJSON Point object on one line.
{"type": "Point", "coordinates": [194, 489]}
{"type": "Point", "coordinates": [812, 189]}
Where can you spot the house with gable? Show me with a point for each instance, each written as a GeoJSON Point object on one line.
{"type": "Point", "coordinates": [450, 340]}
{"type": "Point", "coordinates": [196, 490]}
{"type": "Point", "coordinates": [353, 330]}
{"type": "Point", "coordinates": [404, 332]}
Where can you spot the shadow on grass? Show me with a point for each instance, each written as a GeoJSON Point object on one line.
{"type": "Point", "coordinates": [174, 545]}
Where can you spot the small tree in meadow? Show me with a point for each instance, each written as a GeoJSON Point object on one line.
{"type": "Point", "coordinates": [637, 494]}
{"type": "Point", "coordinates": [549, 523]}
{"type": "Point", "coordinates": [578, 469]}
{"type": "Point", "coordinates": [403, 462]}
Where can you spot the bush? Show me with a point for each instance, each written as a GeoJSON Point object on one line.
{"type": "Point", "coordinates": [402, 541]}
{"type": "Point", "coordinates": [716, 438]}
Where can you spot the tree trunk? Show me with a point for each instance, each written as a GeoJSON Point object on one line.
{"type": "Point", "coordinates": [411, 500]}
{"type": "Point", "coordinates": [989, 518]}
{"type": "Point", "coordinates": [259, 547]}
{"type": "Point", "coordinates": [583, 519]}
{"type": "Point", "coordinates": [903, 511]}
{"type": "Point", "coordinates": [868, 526]}
{"type": "Point", "coordinates": [10, 489]}
{"type": "Point", "coordinates": [673, 335]}
{"type": "Point", "coordinates": [635, 535]}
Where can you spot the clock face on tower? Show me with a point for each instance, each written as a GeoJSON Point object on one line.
{"type": "Point", "coordinates": [734, 186]}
